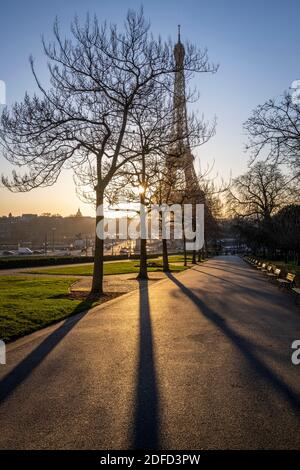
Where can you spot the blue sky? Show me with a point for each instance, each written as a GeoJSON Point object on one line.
{"type": "Point", "coordinates": [256, 43]}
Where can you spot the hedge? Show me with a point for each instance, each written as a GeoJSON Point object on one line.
{"type": "Point", "coordinates": [28, 262]}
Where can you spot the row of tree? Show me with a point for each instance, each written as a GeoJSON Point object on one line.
{"type": "Point", "coordinates": [108, 114]}
{"type": "Point", "coordinates": [265, 200]}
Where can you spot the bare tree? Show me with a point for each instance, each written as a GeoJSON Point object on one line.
{"type": "Point", "coordinates": [286, 231]}
{"type": "Point", "coordinates": [274, 131]}
{"type": "Point", "coordinates": [260, 192]}
{"type": "Point", "coordinates": [149, 139]}
{"type": "Point", "coordinates": [98, 77]}
{"type": "Point", "coordinates": [145, 177]}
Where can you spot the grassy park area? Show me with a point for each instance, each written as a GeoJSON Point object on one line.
{"type": "Point", "coordinates": [27, 304]}
{"type": "Point", "coordinates": [120, 267]}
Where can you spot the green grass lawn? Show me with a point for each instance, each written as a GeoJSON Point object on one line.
{"type": "Point", "coordinates": [180, 258]}
{"type": "Point", "coordinates": [121, 267]}
{"type": "Point", "coordinates": [27, 304]}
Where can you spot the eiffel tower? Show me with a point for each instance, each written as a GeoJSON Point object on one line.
{"type": "Point", "coordinates": [180, 156]}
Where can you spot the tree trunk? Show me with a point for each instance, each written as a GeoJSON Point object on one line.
{"type": "Point", "coordinates": [165, 256]}
{"type": "Point", "coordinates": [184, 241]}
{"type": "Point", "coordinates": [184, 252]}
{"type": "Point", "coordinates": [143, 272]}
{"type": "Point", "coordinates": [97, 283]}
{"type": "Point", "coordinates": [194, 229]}
{"type": "Point", "coordinates": [205, 252]}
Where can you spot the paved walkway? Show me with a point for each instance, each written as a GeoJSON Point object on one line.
{"type": "Point", "coordinates": [119, 283]}
{"type": "Point", "coordinates": [197, 361]}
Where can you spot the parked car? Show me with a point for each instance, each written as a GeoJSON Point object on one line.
{"type": "Point", "coordinates": [22, 250]}
{"type": "Point", "coordinates": [8, 253]}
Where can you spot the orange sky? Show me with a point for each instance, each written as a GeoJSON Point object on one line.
{"type": "Point", "coordinates": [60, 198]}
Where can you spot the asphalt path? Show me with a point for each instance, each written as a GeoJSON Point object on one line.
{"type": "Point", "coordinates": [201, 360]}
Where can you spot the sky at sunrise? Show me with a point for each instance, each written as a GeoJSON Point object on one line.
{"type": "Point", "coordinates": [257, 45]}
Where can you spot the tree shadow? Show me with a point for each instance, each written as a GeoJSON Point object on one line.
{"type": "Point", "coordinates": [240, 275]}
{"type": "Point", "coordinates": [235, 268]}
{"type": "Point", "coordinates": [146, 420]}
{"type": "Point", "coordinates": [245, 346]}
{"type": "Point", "coordinates": [257, 292]}
{"type": "Point", "coordinates": [20, 373]}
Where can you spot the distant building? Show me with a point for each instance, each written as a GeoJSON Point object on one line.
{"type": "Point", "coordinates": [35, 230]}
{"type": "Point", "coordinates": [29, 216]}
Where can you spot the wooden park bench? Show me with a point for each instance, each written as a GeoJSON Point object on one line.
{"type": "Point", "coordinates": [274, 275]}
{"type": "Point", "coordinates": [268, 269]}
{"type": "Point", "coordinates": [261, 266]}
{"type": "Point", "coordinates": [288, 282]}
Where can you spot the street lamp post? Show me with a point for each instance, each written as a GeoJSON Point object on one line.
{"type": "Point", "coordinates": [53, 231]}
{"type": "Point", "coordinates": [129, 244]}
{"type": "Point", "coordinates": [45, 244]}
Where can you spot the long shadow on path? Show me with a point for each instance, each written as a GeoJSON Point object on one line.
{"type": "Point", "coordinates": [23, 370]}
{"type": "Point", "coordinates": [255, 291]}
{"type": "Point", "coordinates": [146, 401]}
{"type": "Point", "coordinates": [245, 347]}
